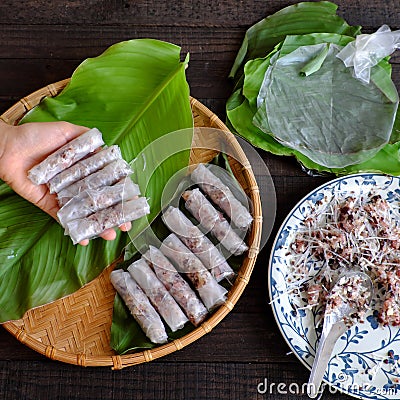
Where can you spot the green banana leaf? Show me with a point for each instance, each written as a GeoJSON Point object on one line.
{"type": "Point", "coordinates": [301, 18]}
{"type": "Point", "coordinates": [126, 334]}
{"type": "Point", "coordinates": [135, 93]}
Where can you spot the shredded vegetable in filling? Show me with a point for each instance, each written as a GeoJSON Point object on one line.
{"type": "Point", "coordinates": [350, 292]}
{"type": "Point", "coordinates": [342, 233]}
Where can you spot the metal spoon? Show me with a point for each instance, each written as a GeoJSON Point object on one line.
{"type": "Point", "coordinates": [334, 326]}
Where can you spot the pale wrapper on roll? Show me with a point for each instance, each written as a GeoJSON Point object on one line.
{"type": "Point", "coordinates": [213, 221]}
{"type": "Point", "coordinates": [84, 168]}
{"type": "Point", "coordinates": [106, 176]}
{"type": "Point", "coordinates": [139, 306]}
{"type": "Point", "coordinates": [222, 196]}
{"type": "Point", "coordinates": [176, 286]}
{"type": "Point", "coordinates": [158, 295]}
{"type": "Point", "coordinates": [211, 293]}
{"type": "Point", "coordinates": [111, 217]}
{"type": "Point", "coordinates": [198, 243]}
{"type": "Point", "coordinates": [92, 200]}
{"type": "Point", "coordinates": [66, 156]}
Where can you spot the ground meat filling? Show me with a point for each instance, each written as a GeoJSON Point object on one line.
{"type": "Point", "coordinates": [342, 233]}
{"type": "Point", "coordinates": [351, 292]}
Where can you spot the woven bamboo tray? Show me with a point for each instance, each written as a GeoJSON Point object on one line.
{"type": "Point", "coordinates": [76, 328]}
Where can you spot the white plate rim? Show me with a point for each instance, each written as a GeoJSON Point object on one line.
{"type": "Point", "coordinates": [271, 258]}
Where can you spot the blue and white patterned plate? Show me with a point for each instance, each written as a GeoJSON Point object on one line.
{"type": "Point", "coordinates": [365, 362]}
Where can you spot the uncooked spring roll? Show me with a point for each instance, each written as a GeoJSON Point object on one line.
{"type": "Point", "coordinates": [222, 196]}
{"type": "Point", "coordinates": [213, 221]}
{"type": "Point", "coordinates": [106, 176]}
{"type": "Point", "coordinates": [92, 200]}
{"type": "Point", "coordinates": [65, 156]}
{"type": "Point", "coordinates": [91, 226]}
{"type": "Point", "coordinates": [139, 306]}
{"type": "Point", "coordinates": [211, 293]}
{"type": "Point", "coordinates": [158, 295]}
{"type": "Point", "coordinates": [198, 243]}
{"type": "Point", "coordinates": [84, 168]}
{"type": "Point", "coordinates": [176, 286]}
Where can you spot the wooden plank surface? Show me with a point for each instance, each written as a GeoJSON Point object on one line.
{"type": "Point", "coordinates": [225, 13]}
{"type": "Point", "coordinates": [44, 41]}
{"type": "Point", "coordinates": [166, 381]}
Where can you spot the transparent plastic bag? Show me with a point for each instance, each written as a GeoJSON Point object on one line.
{"type": "Point", "coordinates": [367, 50]}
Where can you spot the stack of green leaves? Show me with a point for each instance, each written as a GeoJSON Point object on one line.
{"type": "Point", "coordinates": [296, 47]}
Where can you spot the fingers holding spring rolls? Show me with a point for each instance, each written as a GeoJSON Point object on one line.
{"type": "Point", "coordinates": [88, 179]}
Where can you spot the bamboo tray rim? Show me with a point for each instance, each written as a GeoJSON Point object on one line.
{"type": "Point", "coordinates": [17, 328]}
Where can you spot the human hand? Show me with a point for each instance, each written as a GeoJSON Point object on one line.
{"type": "Point", "coordinates": [22, 147]}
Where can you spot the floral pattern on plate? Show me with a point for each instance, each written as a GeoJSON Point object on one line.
{"type": "Point", "coordinates": [365, 362]}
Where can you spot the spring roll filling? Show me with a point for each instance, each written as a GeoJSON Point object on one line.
{"type": "Point", "coordinates": [222, 196]}
{"type": "Point", "coordinates": [139, 306]}
{"type": "Point", "coordinates": [66, 156]}
{"type": "Point", "coordinates": [111, 217]}
{"type": "Point", "coordinates": [158, 295]}
{"type": "Point", "coordinates": [83, 168]}
{"type": "Point", "coordinates": [213, 221]}
{"type": "Point", "coordinates": [108, 175]}
{"type": "Point", "coordinates": [176, 285]}
{"type": "Point", "coordinates": [198, 243]}
{"type": "Point", "coordinates": [92, 200]}
{"type": "Point", "coordinates": [187, 263]}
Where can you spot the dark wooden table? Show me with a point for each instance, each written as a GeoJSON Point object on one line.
{"type": "Point", "coordinates": [42, 42]}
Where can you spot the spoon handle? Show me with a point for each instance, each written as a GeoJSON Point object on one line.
{"type": "Point", "coordinates": [330, 334]}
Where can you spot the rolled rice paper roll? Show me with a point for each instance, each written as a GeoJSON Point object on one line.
{"type": "Point", "coordinates": [65, 156]}
{"type": "Point", "coordinates": [92, 200]}
{"type": "Point", "coordinates": [213, 221]}
{"type": "Point", "coordinates": [91, 226]}
{"type": "Point", "coordinates": [222, 196]}
{"type": "Point", "coordinates": [198, 243]}
{"type": "Point", "coordinates": [158, 295]}
{"type": "Point", "coordinates": [106, 176]}
{"type": "Point", "coordinates": [139, 306]}
{"type": "Point", "coordinates": [211, 293]}
{"type": "Point", "coordinates": [176, 286]}
{"type": "Point", "coordinates": [84, 168]}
